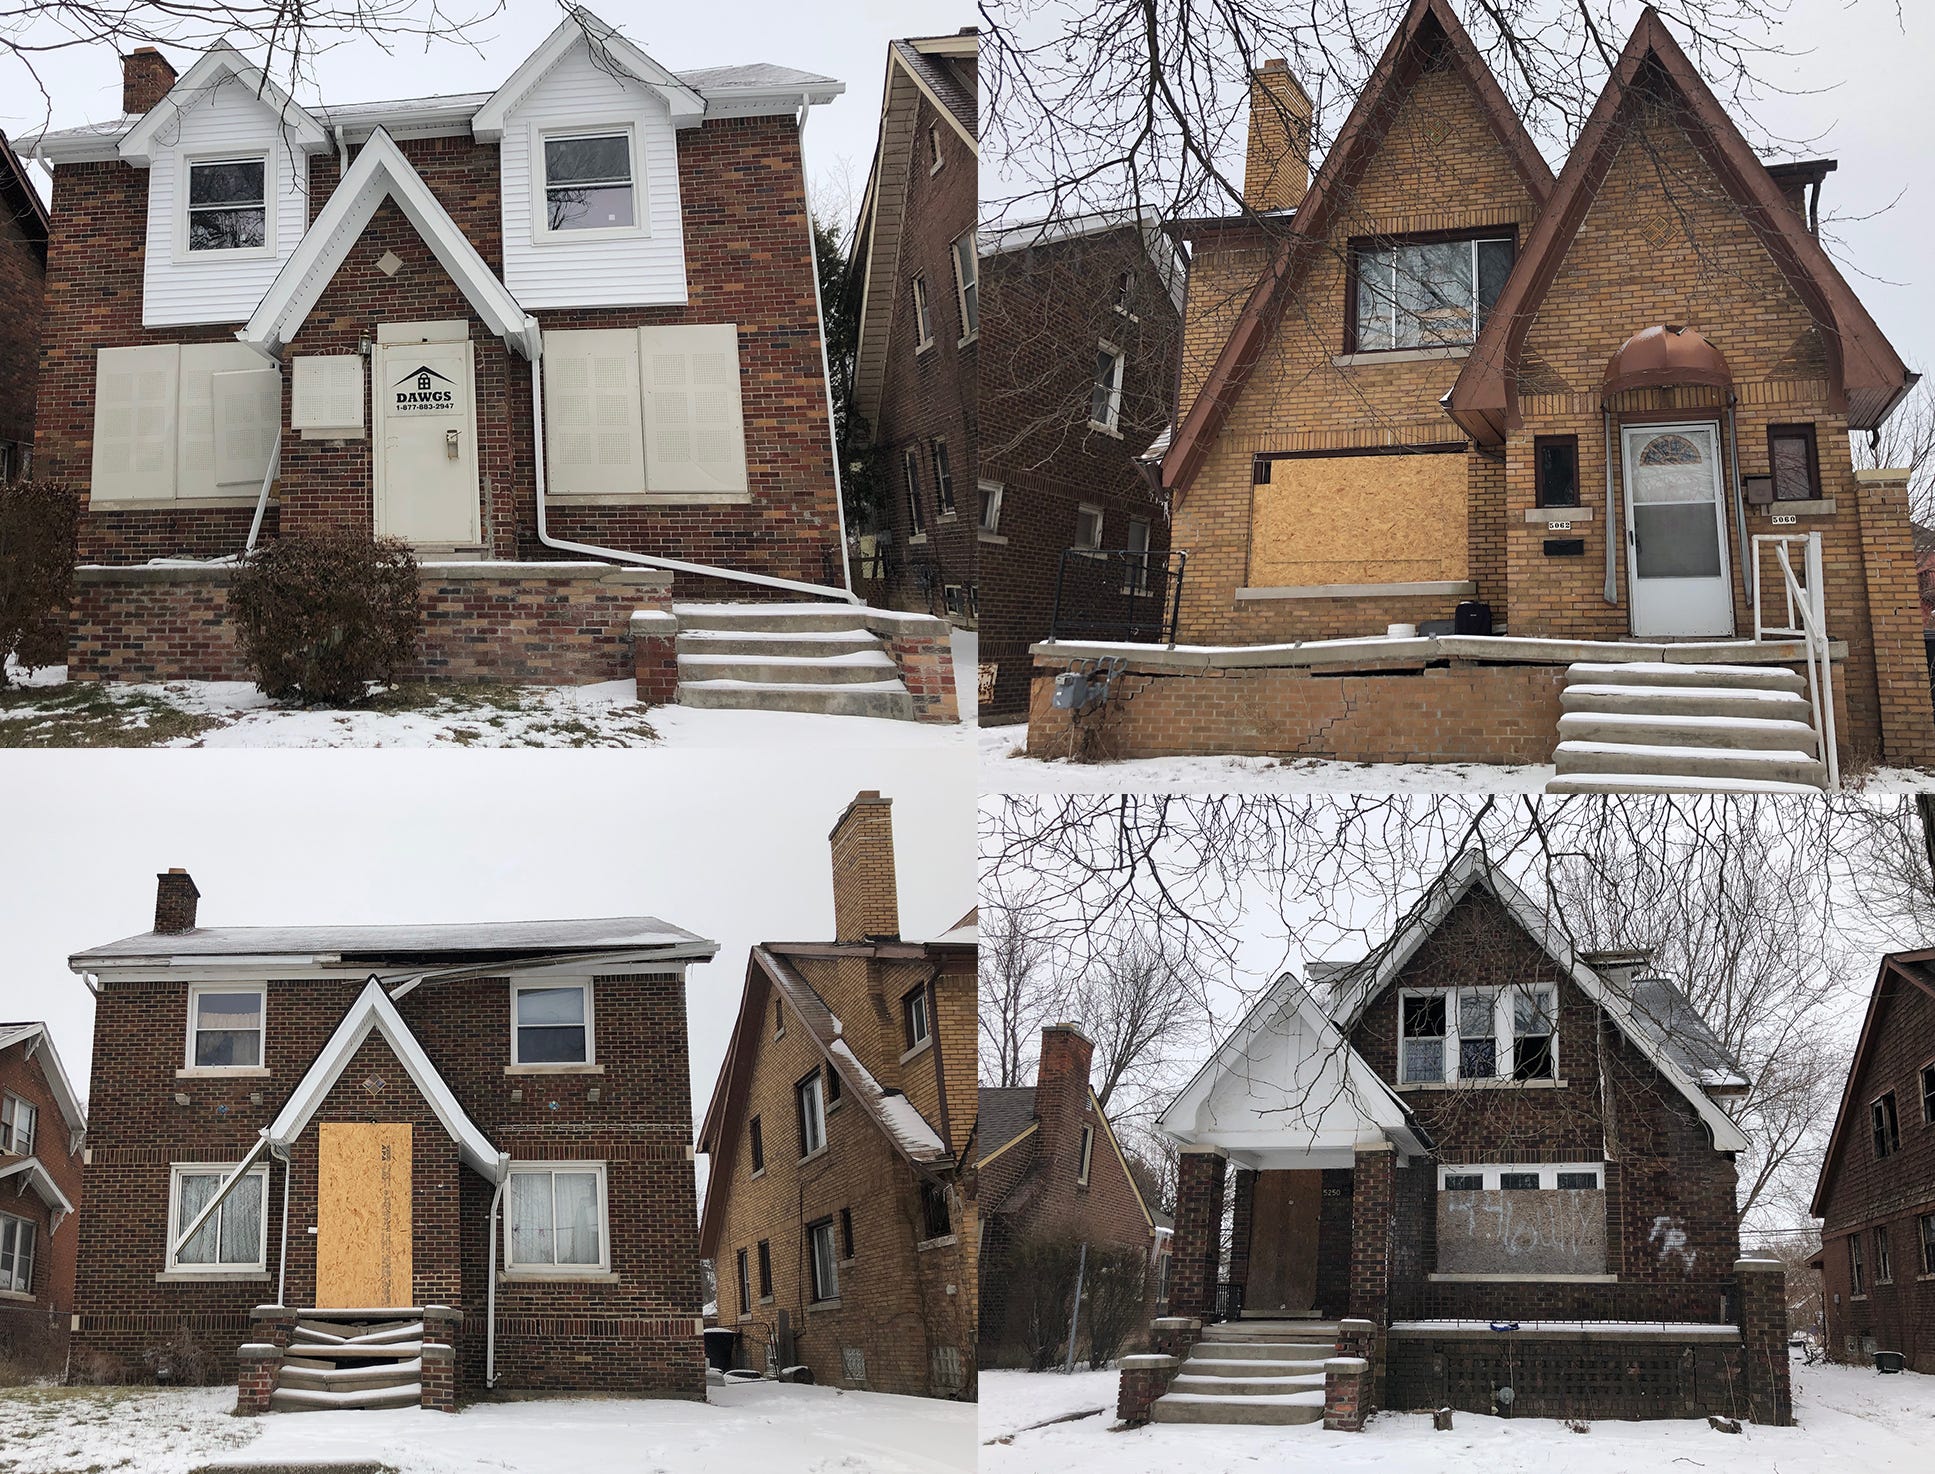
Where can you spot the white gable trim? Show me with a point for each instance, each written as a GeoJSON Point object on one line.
{"type": "Point", "coordinates": [373, 1011]}
{"type": "Point", "coordinates": [138, 144]}
{"type": "Point", "coordinates": [40, 1042]}
{"type": "Point", "coordinates": [382, 172]}
{"type": "Point", "coordinates": [1470, 869]}
{"type": "Point", "coordinates": [35, 1174]}
{"type": "Point", "coordinates": [898, 62]}
{"type": "Point", "coordinates": [580, 25]}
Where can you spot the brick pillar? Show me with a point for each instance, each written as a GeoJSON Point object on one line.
{"type": "Point", "coordinates": [655, 655]}
{"type": "Point", "coordinates": [1895, 618]}
{"type": "Point", "coordinates": [1242, 1217]}
{"type": "Point", "coordinates": [1373, 1220]}
{"type": "Point", "coordinates": [1199, 1231]}
{"type": "Point", "coordinates": [923, 649]}
{"type": "Point", "coordinates": [275, 1325]}
{"type": "Point", "coordinates": [1763, 1340]}
{"type": "Point", "coordinates": [439, 1377]}
{"type": "Point", "coordinates": [1175, 1335]}
{"type": "Point", "coordinates": [1144, 1379]}
{"type": "Point", "coordinates": [1347, 1381]}
{"type": "Point", "coordinates": [256, 1368]}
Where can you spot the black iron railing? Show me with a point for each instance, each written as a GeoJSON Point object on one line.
{"type": "Point", "coordinates": [1117, 594]}
{"type": "Point", "coordinates": [1229, 1301]}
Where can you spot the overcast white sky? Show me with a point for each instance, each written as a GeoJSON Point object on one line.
{"type": "Point", "coordinates": [730, 845]}
{"type": "Point", "coordinates": [847, 40]}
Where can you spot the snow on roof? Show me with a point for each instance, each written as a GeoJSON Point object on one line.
{"type": "Point", "coordinates": [444, 939]}
{"type": "Point", "coordinates": [909, 1127]}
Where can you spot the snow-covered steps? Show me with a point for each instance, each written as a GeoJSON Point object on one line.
{"type": "Point", "coordinates": [787, 657]}
{"type": "Point", "coordinates": [350, 1363]}
{"type": "Point", "coordinates": [1251, 1371]}
{"type": "Point", "coordinates": [1656, 727]}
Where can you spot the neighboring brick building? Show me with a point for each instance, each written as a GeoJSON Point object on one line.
{"type": "Point", "coordinates": [1876, 1194]}
{"type": "Point", "coordinates": [23, 275]}
{"type": "Point", "coordinates": [1049, 1167]}
{"type": "Point", "coordinates": [913, 281]}
{"type": "Point", "coordinates": [1398, 384]}
{"type": "Point", "coordinates": [840, 1224]}
{"type": "Point", "coordinates": [1078, 378]}
{"type": "Point", "coordinates": [42, 1128]}
{"type": "Point", "coordinates": [1496, 1162]}
{"type": "Point", "coordinates": [382, 1098]}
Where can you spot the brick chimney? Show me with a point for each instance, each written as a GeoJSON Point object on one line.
{"type": "Point", "coordinates": [1276, 171]}
{"type": "Point", "coordinates": [865, 901]}
{"type": "Point", "coordinates": [145, 79]}
{"type": "Point", "coordinates": [175, 898]}
{"type": "Point", "coordinates": [1061, 1087]}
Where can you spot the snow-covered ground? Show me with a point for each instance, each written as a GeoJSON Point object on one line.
{"type": "Point", "coordinates": [1011, 1401]}
{"type": "Point", "coordinates": [1004, 771]}
{"type": "Point", "coordinates": [1849, 1420]}
{"type": "Point", "coordinates": [762, 1426]}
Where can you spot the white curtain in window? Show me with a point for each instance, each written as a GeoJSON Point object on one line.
{"type": "Point", "coordinates": [192, 1196]}
{"type": "Point", "coordinates": [577, 1212]}
{"type": "Point", "coordinates": [241, 1217]}
{"type": "Point", "coordinates": [531, 1218]}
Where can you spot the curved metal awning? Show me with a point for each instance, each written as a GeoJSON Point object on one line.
{"type": "Point", "coordinates": [1666, 357]}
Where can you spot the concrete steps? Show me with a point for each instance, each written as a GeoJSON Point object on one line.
{"type": "Point", "coordinates": [787, 657]}
{"type": "Point", "coordinates": [1656, 727]}
{"type": "Point", "coordinates": [1268, 1372]}
{"type": "Point", "coordinates": [333, 1364]}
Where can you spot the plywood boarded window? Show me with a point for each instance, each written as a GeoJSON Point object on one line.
{"type": "Point", "coordinates": [1522, 1220]}
{"type": "Point", "coordinates": [1360, 519]}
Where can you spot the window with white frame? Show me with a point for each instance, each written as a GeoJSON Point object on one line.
{"type": "Point", "coordinates": [943, 477]}
{"type": "Point", "coordinates": [17, 1121]}
{"type": "Point", "coordinates": [235, 1236]}
{"type": "Point", "coordinates": [554, 1218]}
{"type": "Point", "coordinates": [588, 182]}
{"type": "Point", "coordinates": [551, 1024]}
{"type": "Point", "coordinates": [811, 1103]}
{"type": "Point", "coordinates": [1139, 547]}
{"type": "Point", "coordinates": [1088, 526]}
{"type": "Point", "coordinates": [226, 1026]}
{"type": "Point", "coordinates": [916, 517]}
{"type": "Point", "coordinates": [16, 1254]}
{"type": "Point", "coordinates": [1125, 294]}
{"type": "Point", "coordinates": [936, 159]}
{"type": "Point", "coordinates": [1523, 1177]}
{"type": "Point", "coordinates": [990, 506]}
{"type": "Point", "coordinates": [1105, 400]}
{"type": "Point", "coordinates": [913, 1013]}
{"type": "Point", "coordinates": [1085, 1156]}
{"type": "Point", "coordinates": [967, 286]}
{"type": "Point", "coordinates": [1448, 1035]}
{"type": "Point", "coordinates": [923, 319]}
{"type": "Point", "coordinates": [1423, 294]}
{"type": "Point", "coordinates": [228, 205]}
{"type": "Point", "coordinates": [824, 1260]}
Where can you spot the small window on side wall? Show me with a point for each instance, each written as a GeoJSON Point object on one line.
{"type": "Point", "coordinates": [1087, 1155]}
{"type": "Point", "coordinates": [552, 1024]}
{"type": "Point", "coordinates": [588, 182]}
{"type": "Point", "coordinates": [225, 1027]}
{"type": "Point", "coordinates": [1796, 462]}
{"type": "Point", "coordinates": [913, 1013]}
{"type": "Point", "coordinates": [1105, 399]}
{"type": "Point", "coordinates": [758, 1134]}
{"type": "Point", "coordinates": [1556, 466]}
{"type": "Point", "coordinates": [936, 1222]}
{"type": "Point", "coordinates": [17, 1119]}
{"type": "Point", "coordinates": [1887, 1127]}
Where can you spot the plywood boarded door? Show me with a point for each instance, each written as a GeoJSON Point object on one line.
{"type": "Point", "coordinates": [1283, 1242]}
{"type": "Point", "coordinates": [363, 1217]}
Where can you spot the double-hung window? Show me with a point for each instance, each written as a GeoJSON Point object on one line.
{"type": "Point", "coordinates": [943, 478]}
{"type": "Point", "coordinates": [967, 287]}
{"type": "Point", "coordinates": [1887, 1129]}
{"type": "Point", "coordinates": [812, 1114]}
{"type": "Point", "coordinates": [1427, 294]}
{"type": "Point", "coordinates": [551, 1024]}
{"type": "Point", "coordinates": [991, 508]}
{"type": "Point", "coordinates": [765, 1269]}
{"type": "Point", "coordinates": [824, 1260]}
{"type": "Point", "coordinates": [1857, 1278]}
{"type": "Point", "coordinates": [936, 1221]}
{"type": "Point", "coordinates": [1928, 1094]}
{"type": "Point", "coordinates": [554, 1219]}
{"type": "Point", "coordinates": [588, 182]}
{"type": "Point", "coordinates": [1925, 1232]}
{"type": "Point", "coordinates": [923, 315]}
{"type": "Point", "coordinates": [1884, 1264]}
{"type": "Point", "coordinates": [913, 1013]}
{"type": "Point", "coordinates": [1469, 1034]}
{"type": "Point", "coordinates": [16, 1254]}
{"type": "Point", "coordinates": [1088, 527]}
{"type": "Point", "coordinates": [228, 204]}
{"type": "Point", "coordinates": [916, 517]}
{"type": "Point", "coordinates": [1085, 1156]}
{"type": "Point", "coordinates": [226, 1027]}
{"type": "Point", "coordinates": [235, 1236]}
{"type": "Point", "coordinates": [17, 1121]}
{"type": "Point", "coordinates": [758, 1134]}
{"type": "Point", "coordinates": [1105, 397]}
{"type": "Point", "coordinates": [745, 1286]}
{"type": "Point", "coordinates": [1422, 1040]}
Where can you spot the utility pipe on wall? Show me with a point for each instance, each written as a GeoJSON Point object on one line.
{"type": "Point", "coordinates": [1612, 554]}
{"type": "Point", "coordinates": [490, 1281]}
{"type": "Point", "coordinates": [826, 363]}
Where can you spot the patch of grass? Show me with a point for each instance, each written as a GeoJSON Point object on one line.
{"type": "Point", "coordinates": [90, 714]}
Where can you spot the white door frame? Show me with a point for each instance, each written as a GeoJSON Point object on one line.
{"type": "Point", "coordinates": [384, 354]}
{"type": "Point", "coordinates": [1627, 431]}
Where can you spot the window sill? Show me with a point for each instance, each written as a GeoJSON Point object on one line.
{"type": "Point", "coordinates": [557, 1069]}
{"type": "Point", "coordinates": [1558, 514]}
{"type": "Point", "coordinates": [1105, 429]}
{"type": "Point", "coordinates": [16, 1295]}
{"type": "Point", "coordinates": [1815, 507]}
{"type": "Point", "coordinates": [1862, 1296]}
{"type": "Point", "coordinates": [744, 1317]}
{"type": "Point", "coordinates": [1523, 1279]}
{"type": "Point", "coordinates": [222, 1072]}
{"type": "Point", "coordinates": [212, 1277]}
{"type": "Point", "coordinates": [559, 1277]}
{"type": "Point", "coordinates": [945, 1241]}
{"type": "Point", "coordinates": [948, 515]}
{"type": "Point", "coordinates": [921, 349]}
{"type": "Point", "coordinates": [1490, 1085]}
{"type": "Point", "coordinates": [916, 539]}
{"type": "Point", "coordinates": [1369, 356]}
{"type": "Point", "coordinates": [758, 1173]}
{"type": "Point", "coordinates": [813, 1305]}
{"type": "Point", "coordinates": [920, 1048]}
{"type": "Point", "coordinates": [983, 535]}
{"type": "Point", "coordinates": [763, 1300]}
{"type": "Point", "coordinates": [968, 341]}
{"type": "Point", "coordinates": [812, 1156]}
{"type": "Point", "coordinates": [649, 498]}
{"type": "Point", "coordinates": [1448, 588]}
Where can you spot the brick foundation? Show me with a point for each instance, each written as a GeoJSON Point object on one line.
{"type": "Point", "coordinates": [1763, 1340]}
{"type": "Point", "coordinates": [1347, 1385]}
{"type": "Point", "coordinates": [1566, 1374]}
{"type": "Point", "coordinates": [1144, 1379]}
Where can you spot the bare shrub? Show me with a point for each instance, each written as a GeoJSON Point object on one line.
{"type": "Point", "coordinates": [39, 522]}
{"type": "Point", "coordinates": [322, 615]}
{"type": "Point", "coordinates": [1039, 1281]}
{"type": "Point", "coordinates": [1115, 1300]}
{"type": "Point", "coordinates": [183, 1362]}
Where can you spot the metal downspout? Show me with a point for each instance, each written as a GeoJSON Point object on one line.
{"type": "Point", "coordinates": [826, 364]}
{"type": "Point", "coordinates": [1749, 572]}
{"type": "Point", "coordinates": [490, 1281]}
{"type": "Point", "coordinates": [1612, 554]}
{"type": "Point", "coordinates": [282, 1273]}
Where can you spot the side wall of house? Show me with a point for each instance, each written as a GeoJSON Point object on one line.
{"type": "Point", "coordinates": [22, 284]}
{"type": "Point", "coordinates": [35, 1325]}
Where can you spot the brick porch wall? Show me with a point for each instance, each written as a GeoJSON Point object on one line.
{"type": "Point", "coordinates": [1565, 1376]}
{"type": "Point", "coordinates": [1199, 1228]}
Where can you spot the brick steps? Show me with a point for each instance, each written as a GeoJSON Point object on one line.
{"type": "Point", "coordinates": [786, 657]}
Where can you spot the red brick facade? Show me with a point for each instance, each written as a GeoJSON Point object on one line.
{"type": "Point", "coordinates": [23, 273]}
{"type": "Point", "coordinates": [33, 1322]}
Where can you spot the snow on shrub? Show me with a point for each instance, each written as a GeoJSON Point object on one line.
{"type": "Point", "coordinates": [38, 525]}
{"type": "Point", "coordinates": [321, 615]}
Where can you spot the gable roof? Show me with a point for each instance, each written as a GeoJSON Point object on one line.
{"type": "Point", "coordinates": [1006, 1112]}
{"type": "Point", "coordinates": [928, 63]}
{"type": "Point", "coordinates": [1158, 245]}
{"type": "Point", "coordinates": [1430, 29]}
{"type": "Point", "coordinates": [1910, 969]}
{"type": "Point", "coordinates": [220, 64]}
{"type": "Point", "coordinates": [382, 172]}
{"type": "Point", "coordinates": [1866, 376]}
{"type": "Point", "coordinates": [39, 1042]}
{"type": "Point", "coordinates": [373, 1012]}
{"type": "Point", "coordinates": [33, 1173]}
{"type": "Point", "coordinates": [615, 53]}
{"type": "Point", "coordinates": [21, 201]}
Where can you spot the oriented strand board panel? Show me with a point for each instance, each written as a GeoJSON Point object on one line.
{"type": "Point", "coordinates": [1358, 519]}
{"type": "Point", "coordinates": [363, 1216]}
{"type": "Point", "coordinates": [1559, 1231]}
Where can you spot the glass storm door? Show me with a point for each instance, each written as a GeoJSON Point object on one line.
{"type": "Point", "coordinates": [1676, 530]}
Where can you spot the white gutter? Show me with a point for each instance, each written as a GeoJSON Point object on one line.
{"type": "Point", "coordinates": [826, 363]}
{"type": "Point", "coordinates": [490, 1283]}
{"type": "Point", "coordinates": [282, 1273]}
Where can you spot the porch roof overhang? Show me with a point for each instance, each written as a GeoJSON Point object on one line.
{"type": "Point", "coordinates": [33, 1173]}
{"type": "Point", "coordinates": [1666, 357]}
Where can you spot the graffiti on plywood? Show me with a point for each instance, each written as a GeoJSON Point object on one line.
{"type": "Point", "coordinates": [1522, 1232]}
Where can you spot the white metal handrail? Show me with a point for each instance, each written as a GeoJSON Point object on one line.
{"type": "Point", "coordinates": [1806, 611]}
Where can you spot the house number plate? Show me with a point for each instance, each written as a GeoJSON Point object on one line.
{"type": "Point", "coordinates": [1784, 519]}
{"type": "Point", "coordinates": [1558, 527]}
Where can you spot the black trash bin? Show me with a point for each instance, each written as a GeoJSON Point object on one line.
{"type": "Point", "coordinates": [1890, 1361]}
{"type": "Point", "coordinates": [1472, 618]}
{"type": "Point", "coordinates": [721, 1347]}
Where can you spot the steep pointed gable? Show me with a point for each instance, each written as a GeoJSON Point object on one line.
{"type": "Point", "coordinates": [1903, 970]}
{"type": "Point", "coordinates": [1866, 376]}
{"type": "Point", "coordinates": [1430, 33]}
{"type": "Point", "coordinates": [613, 53]}
{"type": "Point", "coordinates": [216, 67]}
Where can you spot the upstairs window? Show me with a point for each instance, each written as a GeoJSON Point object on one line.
{"type": "Point", "coordinates": [967, 285]}
{"type": "Point", "coordinates": [745, 1285]}
{"type": "Point", "coordinates": [1533, 1012]}
{"type": "Point", "coordinates": [1884, 1266]}
{"type": "Point", "coordinates": [916, 518]}
{"type": "Point", "coordinates": [17, 1121]}
{"type": "Point", "coordinates": [1086, 1158]}
{"type": "Point", "coordinates": [1857, 1279]}
{"type": "Point", "coordinates": [765, 1270]}
{"type": "Point", "coordinates": [1886, 1128]}
{"type": "Point", "coordinates": [923, 318]}
{"type": "Point", "coordinates": [935, 1221]}
{"type": "Point", "coordinates": [846, 1233]}
{"type": "Point", "coordinates": [943, 478]}
{"type": "Point", "coordinates": [991, 515]}
{"type": "Point", "coordinates": [588, 182]}
{"type": "Point", "coordinates": [1125, 294]}
{"type": "Point", "coordinates": [913, 1013]}
{"type": "Point", "coordinates": [1427, 294]}
{"type": "Point", "coordinates": [553, 1024]}
{"type": "Point", "coordinates": [1928, 1094]}
{"type": "Point", "coordinates": [1105, 399]}
{"type": "Point", "coordinates": [1475, 1034]}
{"type": "Point", "coordinates": [16, 1255]}
{"type": "Point", "coordinates": [1796, 462]}
{"type": "Point", "coordinates": [1925, 1231]}
{"type": "Point", "coordinates": [936, 160]}
{"type": "Point", "coordinates": [1422, 1044]}
{"type": "Point", "coordinates": [225, 1027]}
{"type": "Point", "coordinates": [228, 205]}
{"type": "Point", "coordinates": [824, 1260]}
{"type": "Point", "coordinates": [758, 1147]}
{"type": "Point", "coordinates": [812, 1114]}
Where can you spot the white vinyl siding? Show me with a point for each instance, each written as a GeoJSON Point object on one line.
{"type": "Point", "coordinates": [180, 286]}
{"type": "Point", "coordinates": [643, 264]}
{"type": "Point", "coordinates": [695, 439]}
{"type": "Point", "coordinates": [593, 413]}
{"type": "Point", "coordinates": [166, 430]}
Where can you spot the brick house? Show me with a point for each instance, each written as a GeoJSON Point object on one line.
{"type": "Point", "coordinates": [1049, 1167]}
{"type": "Point", "coordinates": [912, 279]}
{"type": "Point", "coordinates": [1876, 1193]}
{"type": "Point", "coordinates": [1433, 376]}
{"type": "Point", "coordinates": [563, 338]}
{"type": "Point", "coordinates": [1475, 1159]}
{"type": "Point", "coordinates": [23, 275]}
{"type": "Point", "coordinates": [42, 1129]}
{"type": "Point", "coordinates": [1079, 377]}
{"type": "Point", "coordinates": [838, 1218]}
{"type": "Point", "coordinates": [458, 1154]}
